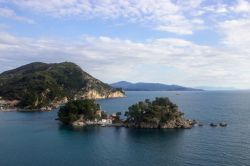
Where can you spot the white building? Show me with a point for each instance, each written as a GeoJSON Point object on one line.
{"type": "Point", "coordinates": [106, 121]}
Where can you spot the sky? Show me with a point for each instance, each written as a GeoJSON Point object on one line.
{"type": "Point", "coordinates": [185, 42]}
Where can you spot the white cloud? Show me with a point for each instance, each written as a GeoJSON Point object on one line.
{"type": "Point", "coordinates": [242, 6]}
{"type": "Point", "coordinates": [179, 17]}
{"type": "Point", "coordinates": [163, 15]}
{"type": "Point", "coordinates": [9, 13]}
{"type": "Point", "coordinates": [236, 33]}
{"type": "Point", "coordinates": [113, 59]}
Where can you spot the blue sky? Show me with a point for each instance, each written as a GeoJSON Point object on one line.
{"type": "Point", "coordinates": [191, 42]}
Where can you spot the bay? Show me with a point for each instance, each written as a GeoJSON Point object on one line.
{"type": "Point", "coordinates": [35, 138]}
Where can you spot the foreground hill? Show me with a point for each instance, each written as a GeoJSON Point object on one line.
{"type": "Point", "coordinates": [40, 85]}
{"type": "Point", "coordinates": [150, 87]}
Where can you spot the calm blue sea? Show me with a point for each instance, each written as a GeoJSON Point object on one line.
{"type": "Point", "coordinates": [36, 139]}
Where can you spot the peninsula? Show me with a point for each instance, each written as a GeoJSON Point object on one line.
{"type": "Point", "coordinates": [42, 86]}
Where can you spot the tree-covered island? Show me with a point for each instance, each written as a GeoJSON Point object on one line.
{"type": "Point", "coordinates": [159, 113]}
{"type": "Point", "coordinates": [86, 112]}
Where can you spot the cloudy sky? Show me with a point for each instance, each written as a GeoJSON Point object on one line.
{"type": "Point", "coordinates": [185, 42]}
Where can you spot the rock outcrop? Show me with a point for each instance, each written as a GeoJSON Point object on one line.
{"type": "Point", "coordinates": [93, 94]}
{"type": "Point", "coordinates": [177, 123]}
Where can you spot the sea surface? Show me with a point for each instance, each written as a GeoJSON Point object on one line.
{"type": "Point", "coordinates": [36, 139]}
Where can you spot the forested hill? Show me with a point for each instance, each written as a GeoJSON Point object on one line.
{"type": "Point", "coordinates": [37, 84]}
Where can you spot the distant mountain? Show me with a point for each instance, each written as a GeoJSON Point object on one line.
{"type": "Point", "coordinates": [38, 85]}
{"type": "Point", "coordinates": [210, 88]}
{"type": "Point", "coordinates": [141, 86]}
{"type": "Point", "coordinates": [121, 84]}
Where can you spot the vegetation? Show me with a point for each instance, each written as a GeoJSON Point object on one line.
{"type": "Point", "coordinates": [77, 109]}
{"type": "Point", "coordinates": [37, 84]}
{"type": "Point", "coordinates": [161, 110]}
{"type": "Point", "coordinates": [159, 113]}
{"type": "Point", "coordinates": [103, 115]}
{"type": "Point", "coordinates": [117, 118]}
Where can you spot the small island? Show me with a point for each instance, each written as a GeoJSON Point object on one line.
{"type": "Point", "coordinates": [86, 112]}
{"type": "Point", "coordinates": [160, 113]}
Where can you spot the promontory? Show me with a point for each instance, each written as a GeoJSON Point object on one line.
{"type": "Point", "coordinates": [43, 86]}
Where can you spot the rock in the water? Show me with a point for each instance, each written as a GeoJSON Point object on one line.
{"type": "Point", "coordinates": [223, 124]}
{"type": "Point", "coordinates": [200, 124]}
{"type": "Point", "coordinates": [213, 125]}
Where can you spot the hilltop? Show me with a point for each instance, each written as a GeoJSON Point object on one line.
{"type": "Point", "coordinates": [40, 85]}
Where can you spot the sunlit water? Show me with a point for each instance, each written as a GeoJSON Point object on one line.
{"type": "Point", "coordinates": [36, 139]}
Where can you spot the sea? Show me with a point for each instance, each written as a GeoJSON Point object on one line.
{"type": "Point", "coordinates": [37, 139]}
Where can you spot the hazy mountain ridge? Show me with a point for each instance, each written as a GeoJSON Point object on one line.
{"type": "Point", "coordinates": [218, 88]}
{"type": "Point", "coordinates": [141, 86]}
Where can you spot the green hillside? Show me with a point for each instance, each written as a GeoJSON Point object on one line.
{"type": "Point", "coordinates": [38, 84]}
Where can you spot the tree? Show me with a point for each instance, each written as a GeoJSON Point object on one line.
{"type": "Point", "coordinates": [104, 115]}
{"type": "Point", "coordinates": [118, 114]}
{"type": "Point", "coordinates": [117, 118]}
{"type": "Point", "coordinates": [75, 109]}
{"type": "Point", "coordinates": [159, 110]}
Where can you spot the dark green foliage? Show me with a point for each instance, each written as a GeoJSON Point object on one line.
{"type": "Point", "coordinates": [117, 118]}
{"type": "Point", "coordinates": [38, 84]}
{"type": "Point", "coordinates": [159, 110]}
{"type": "Point", "coordinates": [104, 115]}
{"type": "Point", "coordinates": [118, 114]}
{"type": "Point", "coordinates": [74, 109]}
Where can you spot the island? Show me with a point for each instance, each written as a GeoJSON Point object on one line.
{"type": "Point", "coordinates": [44, 86]}
{"type": "Point", "coordinates": [159, 113]}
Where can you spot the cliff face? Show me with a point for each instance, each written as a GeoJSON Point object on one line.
{"type": "Point", "coordinates": [40, 85]}
{"type": "Point", "coordinates": [93, 94]}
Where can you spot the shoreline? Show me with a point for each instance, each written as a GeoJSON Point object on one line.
{"type": "Point", "coordinates": [48, 108]}
{"type": "Point", "coordinates": [183, 124]}
{"type": "Point", "coordinates": [23, 110]}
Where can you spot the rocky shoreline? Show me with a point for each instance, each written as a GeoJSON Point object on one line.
{"type": "Point", "coordinates": [173, 124]}
{"type": "Point", "coordinates": [177, 123]}
{"type": "Point", "coordinates": [11, 105]}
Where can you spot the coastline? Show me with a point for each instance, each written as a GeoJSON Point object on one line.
{"type": "Point", "coordinates": [23, 110]}
{"type": "Point", "coordinates": [51, 107]}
